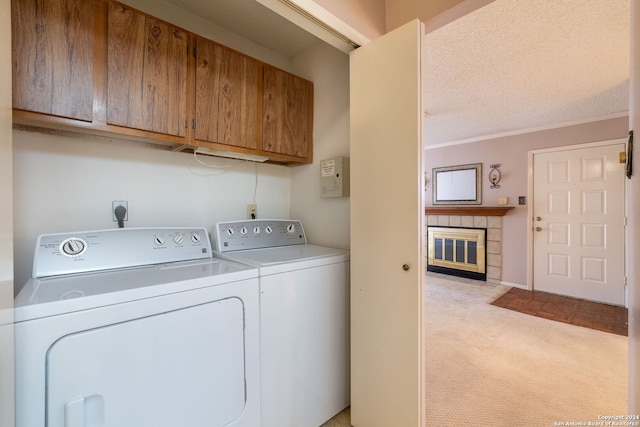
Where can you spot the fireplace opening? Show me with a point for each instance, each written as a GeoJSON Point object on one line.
{"type": "Point", "coordinates": [457, 251]}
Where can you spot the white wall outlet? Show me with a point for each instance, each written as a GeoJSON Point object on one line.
{"type": "Point", "coordinates": [252, 211]}
{"type": "Point", "coordinates": [117, 203]}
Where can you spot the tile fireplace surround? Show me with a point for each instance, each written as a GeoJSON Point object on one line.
{"type": "Point", "coordinates": [488, 217]}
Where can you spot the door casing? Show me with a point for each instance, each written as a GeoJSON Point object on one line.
{"type": "Point", "coordinates": [531, 207]}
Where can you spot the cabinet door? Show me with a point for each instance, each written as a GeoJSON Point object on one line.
{"type": "Point", "coordinates": [226, 96]}
{"type": "Point", "coordinates": [146, 72]}
{"type": "Point", "coordinates": [287, 117]}
{"type": "Point", "coordinates": [52, 51]}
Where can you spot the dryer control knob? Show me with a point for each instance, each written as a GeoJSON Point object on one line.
{"type": "Point", "coordinates": [73, 247]}
{"type": "Point", "coordinates": [158, 240]}
{"type": "Point", "coordinates": [256, 230]}
{"type": "Point", "coordinates": [195, 237]}
{"type": "Point", "coordinates": [291, 228]}
{"type": "Point", "coordinates": [244, 230]}
{"type": "Point", "coordinates": [178, 239]}
{"type": "Point", "coordinates": [268, 229]}
{"type": "Point", "coordinates": [230, 231]}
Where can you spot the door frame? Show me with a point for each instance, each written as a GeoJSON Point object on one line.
{"type": "Point", "coordinates": [530, 206]}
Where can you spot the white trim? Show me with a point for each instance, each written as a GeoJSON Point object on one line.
{"type": "Point", "coordinates": [514, 285]}
{"type": "Point", "coordinates": [332, 21]}
{"type": "Point", "coordinates": [525, 131]}
{"type": "Point", "coordinates": [314, 28]}
{"type": "Point", "coordinates": [530, 220]}
{"type": "Point", "coordinates": [456, 12]}
{"type": "Point", "coordinates": [580, 146]}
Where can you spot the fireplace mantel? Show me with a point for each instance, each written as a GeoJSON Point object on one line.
{"type": "Point", "coordinates": [468, 210]}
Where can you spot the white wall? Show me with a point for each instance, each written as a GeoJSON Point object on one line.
{"type": "Point", "coordinates": [67, 183]}
{"type": "Point", "coordinates": [326, 220]}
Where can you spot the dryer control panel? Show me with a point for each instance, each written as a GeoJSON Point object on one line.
{"type": "Point", "coordinates": [85, 251]}
{"type": "Point", "coordinates": [257, 234]}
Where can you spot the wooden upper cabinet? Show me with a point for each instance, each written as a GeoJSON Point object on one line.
{"type": "Point", "coordinates": [103, 67]}
{"type": "Point", "coordinates": [287, 116]}
{"type": "Point", "coordinates": [146, 72]}
{"type": "Point", "coordinates": [226, 99]}
{"type": "Point", "coordinates": [52, 55]}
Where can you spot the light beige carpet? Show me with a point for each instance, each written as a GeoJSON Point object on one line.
{"type": "Point", "coordinates": [487, 366]}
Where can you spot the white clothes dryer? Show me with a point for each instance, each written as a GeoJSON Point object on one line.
{"type": "Point", "coordinates": [136, 328]}
{"type": "Point", "coordinates": [304, 319]}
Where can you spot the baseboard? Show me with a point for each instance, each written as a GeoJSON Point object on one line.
{"type": "Point", "coordinates": [514, 285]}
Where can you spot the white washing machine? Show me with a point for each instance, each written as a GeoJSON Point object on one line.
{"type": "Point", "coordinates": [136, 328]}
{"type": "Point", "coordinates": [304, 319]}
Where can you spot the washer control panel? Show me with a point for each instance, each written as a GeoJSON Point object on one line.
{"type": "Point", "coordinates": [67, 253]}
{"type": "Point", "coordinates": [257, 234]}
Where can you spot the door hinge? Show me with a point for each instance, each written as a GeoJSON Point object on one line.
{"type": "Point", "coordinates": [625, 221]}
{"type": "Point", "coordinates": [625, 280]}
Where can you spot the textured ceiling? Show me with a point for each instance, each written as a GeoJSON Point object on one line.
{"type": "Point", "coordinates": [515, 65]}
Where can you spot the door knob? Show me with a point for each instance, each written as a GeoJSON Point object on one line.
{"type": "Point", "coordinates": [405, 267]}
{"type": "Point", "coordinates": [538, 228]}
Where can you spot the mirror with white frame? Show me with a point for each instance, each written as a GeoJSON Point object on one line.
{"type": "Point", "coordinates": [457, 185]}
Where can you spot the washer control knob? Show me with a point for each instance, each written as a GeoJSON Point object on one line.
{"type": "Point", "coordinates": [158, 240]}
{"type": "Point", "coordinates": [73, 246]}
{"type": "Point", "coordinates": [268, 229]}
{"type": "Point", "coordinates": [243, 230]}
{"type": "Point", "coordinates": [230, 232]}
{"type": "Point", "coordinates": [178, 239]}
{"type": "Point", "coordinates": [195, 237]}
{"type": "Point", "coordinates": [256, 230]}
{"type": "Point", "coordinates": [291, 228]}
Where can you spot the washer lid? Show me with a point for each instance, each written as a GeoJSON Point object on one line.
{"type": "Point", "coordinates": [287, 258]}
{"type": "Point", "coordinates": [51, 296]}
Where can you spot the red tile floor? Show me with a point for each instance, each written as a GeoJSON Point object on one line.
{"type": "Point", "coordinates": [603, 317]}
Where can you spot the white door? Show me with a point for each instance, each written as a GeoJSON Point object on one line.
{"type": "Point", "coordinates": [578, 223]}
{"type": "Point", "coordinates": [387, 214]}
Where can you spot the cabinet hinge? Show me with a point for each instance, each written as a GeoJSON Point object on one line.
{"type": "Point", "coordinates": [195, 52]}
{"type": "Point", "coordinates": [193, 123]}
